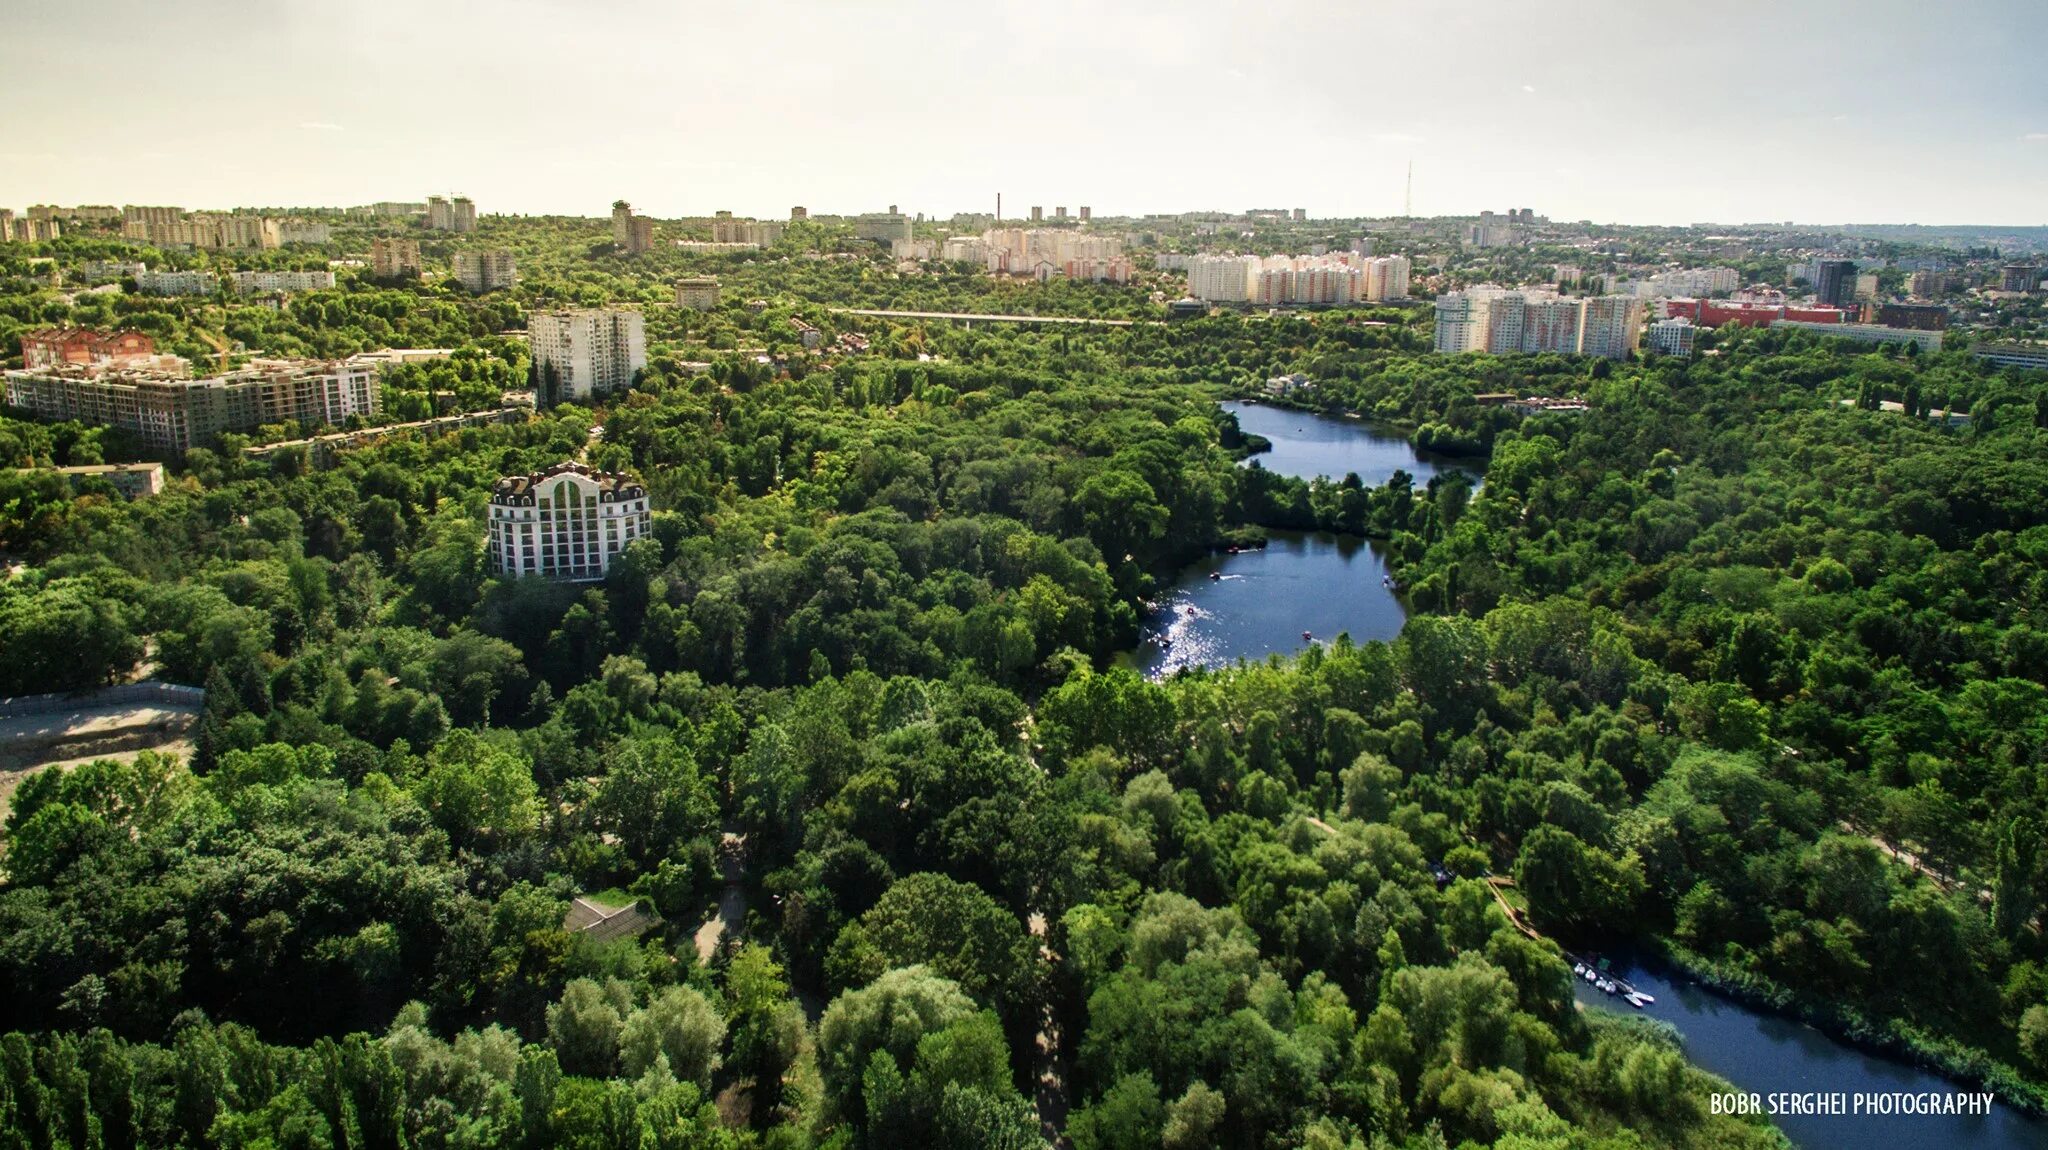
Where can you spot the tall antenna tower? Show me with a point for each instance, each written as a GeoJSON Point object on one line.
{"type": "Point", "coordinates": [1408, 197]}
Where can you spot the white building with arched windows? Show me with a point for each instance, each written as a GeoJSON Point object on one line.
{"type": "Point", "coordinates": [568, 522]}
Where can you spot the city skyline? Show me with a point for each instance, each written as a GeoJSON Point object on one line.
{"type": "Point", "coordinates": [1832, 113]}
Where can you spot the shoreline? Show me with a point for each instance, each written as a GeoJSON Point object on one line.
{"type": "Point", "coordinates": [1960, 1065]}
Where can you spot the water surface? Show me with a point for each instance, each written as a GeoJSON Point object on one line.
{"type": "Point", "coordinates": [1766, 1053]}
{"type": "Point", "coordinates": [1306, 445]}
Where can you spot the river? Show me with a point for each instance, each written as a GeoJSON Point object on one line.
{"type": "Point", "coordinates": [1763, 1053]}
{"type": "Point", "coordinates": [1260, 602]}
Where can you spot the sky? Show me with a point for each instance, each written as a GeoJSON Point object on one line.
{"type": "Point", "coordinates": [1819, 111]}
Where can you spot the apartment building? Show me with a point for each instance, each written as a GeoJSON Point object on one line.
{"type": "Point", "coordinates": [30, 229]}
{"type": "Point", "coordinates": [1673, 335]}
{"type": "Point", "coordinates": [482, 272]}
{"type": "Point", "coordinates": [176, 283]}
{"type": "Point", "coordinates": [583, 353]}
{"type": "Point", "coordinates": [882, 227]}
{"type": "Point", "coordinates": [173, 228]}
{"type": "Point", "coordinates": [752, 233]}
{"type": "Point", "coordinates": [456, 215]}
{"type": "Point", "coordinates": [1221, 279]}
{"type": "Point", "coordinates": [567, 523]}
{"type": "Point", "coordinates": [1497, 321]}
{"type": "Point", "coordinates": [303, 232]}
{"type": "Point", "coordinates": [394, 258]}
{"type": "Point", "coordinates": [170, 413]}
{"type": "Point", "coordinates": [258, 283]}
{"type": "Point", "coordinates": [634, 234]}
{"type": "Point", "coordinates": [697, 293]}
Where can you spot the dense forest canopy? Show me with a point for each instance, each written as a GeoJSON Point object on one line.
{"type": "Point", "coordinates": [1723, 665]}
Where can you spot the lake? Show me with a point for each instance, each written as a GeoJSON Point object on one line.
{"type": "Point", "coordinates": [1260, 602]}
{"type": "Point", "coordinates": [1765, 1053]}
{"type": "Point", "coordinates": [1306, 445]}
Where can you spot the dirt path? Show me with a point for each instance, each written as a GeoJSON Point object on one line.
{"type": "Point", "coordinates": [732, 903]}
{"type": "Point", "coordinates": [32, 743]}
{"type": "Point", "coordinates": [1913, 862]}
{"type": "Point", "coordinates": [1048, 1060]}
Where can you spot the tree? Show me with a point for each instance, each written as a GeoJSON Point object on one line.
{"type": "Point", "coordinates": [586, 1025]}
{"type": "Point", "coordinates": [889, 1016]}
{"type": "Point", "coordinates": [679, 1027]}
{"type": "Point", "coordinates": [953, 929]}
{"type": "Point", "coordinates": [1573, 885]}
{"type": "Point", "coordinates": [476, 788]}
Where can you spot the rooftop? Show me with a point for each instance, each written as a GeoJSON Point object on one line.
{"type": "Point", "coordinates": [613, 483]}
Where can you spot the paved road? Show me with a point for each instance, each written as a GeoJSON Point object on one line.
{"type": "Point", "coordinates": [891, 313]}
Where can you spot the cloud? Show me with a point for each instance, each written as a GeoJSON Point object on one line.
{"type": "Point", "coordinates": [2035, 138]}
{"type": "Point", "coordinates": [1396, 138]}
{"type": "Point", "coordinates": [1529, 88]}
{"type": "Point", "coordinates": [319, 126]}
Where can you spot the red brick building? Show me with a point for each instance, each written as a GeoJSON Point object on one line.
{"type": "Point", "coordinates": [1715, 312]}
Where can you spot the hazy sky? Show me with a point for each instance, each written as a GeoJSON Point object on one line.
{"type": "Point", "coordinates": [1930, 111]}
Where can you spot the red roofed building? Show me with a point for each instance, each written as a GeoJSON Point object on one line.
{"type": "Point", "coordinates": [1715, 312]}
{"type": "Point", "coordinates": [84, 346]}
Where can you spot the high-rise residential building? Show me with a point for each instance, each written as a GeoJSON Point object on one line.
{"type": "Point", "coordinates": [969, 249]}
{"type": "Point", "coordinates": [634, 234]}
{"type": "Point", "coordinates": [84, 213]}
{"type": "Point", "coordinates": [1221, 279]}
{"type": "Point", "coordinates": [6, 225]}
{"type": "Point", "coordinates": [32, 229]}
{"type": "Point", "coordinates": [882, 227]}
{"type": "Point", "coordinates": [1386, 278]}
{"type": "Point", "coordinates": [445, 215]}
{"type": "Point", "coordinates": [585, 353]}
{"type": "Point", "coordinates": [170, 413]}
{"type": "Point", "coordinates": [1611, 326]}
{"type": "Point", "coordinates": [1834, 282]}
{"type": "Point", "coordinates": [567, 523]}
{"type": "Point", "coordinates": [1084, 213]}
{"type": "Point", "coordinates": [485, 271]}
{"type": "Point", "coordinates": [1673, 336]}
{"type": "Point", "coordinates": [754, 233]}
{"type": "Point", "coordinates": [1300, 215]}
{"type": "Point", "coordinates": [799, 213]}
{"type": "Point", "coordinates": [697, 293]}
{"type": "Point", "coordinates": [1037, 214]}
{"type": "Point", "coordinates": [1059, 212]}
{"type": "Point", "coordinates": [1492, 320]}
{"type": "Point", "coordinates": [389, 209]}
{"type": "Point", "coordinates": [1491, 231]}
{"type": "Point", "coordinates": [256, 283]}
{"type": "Point", "coordinates": [176, 283]}
{"type": "Point", "coordinates": [2019, 277]}
{"type": "Point", "coordinates": [172, 227]}
{"type": "Point", "coordinates": [394, 258]}
{"type": "Point", "coordinates": [303, 232]}
{"type": "Point", "coordinates": [137, 219]}
{"type": "Point", "coordinates": [1930, 284]}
